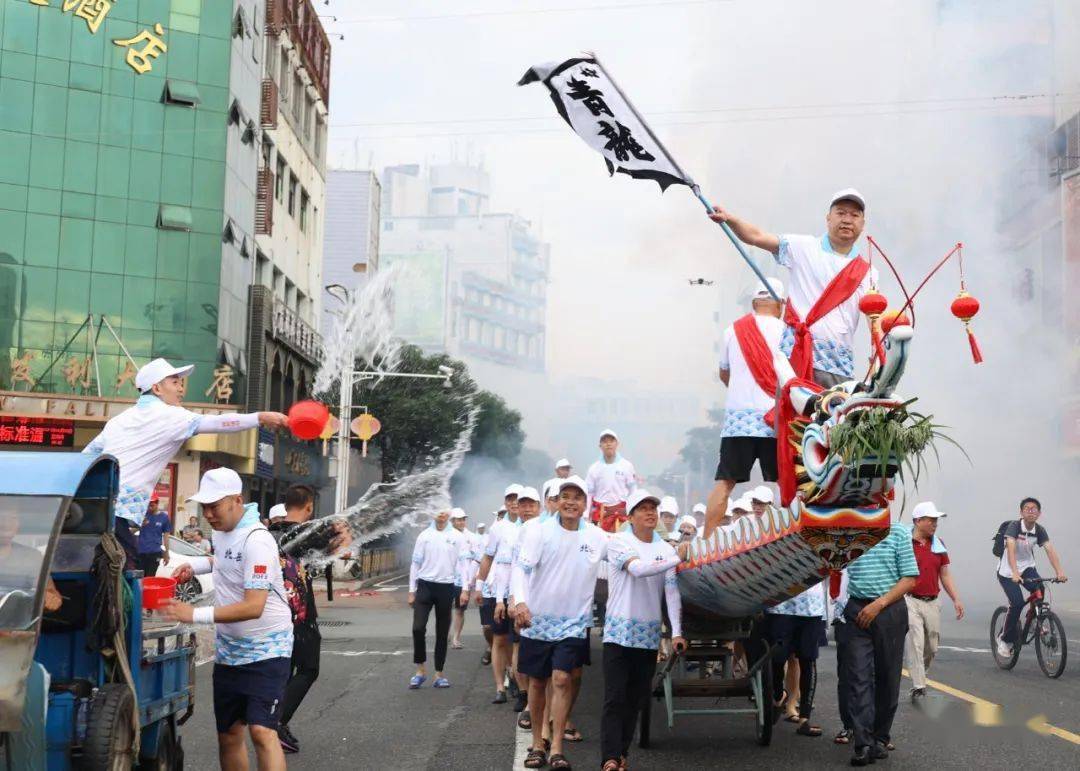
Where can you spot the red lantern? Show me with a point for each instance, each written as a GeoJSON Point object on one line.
{"type": "Point", "coordinates": [873, 304]}
{"type": "Point", "coordinates": [965, 307]}
{"type": "Point", "coordinates": [894, 319]}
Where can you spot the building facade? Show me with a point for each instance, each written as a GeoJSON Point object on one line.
{"type": "Point", "coordinates": [128, 199]}
{"type": "Point", "coordinates": [477, 280]}
{"type": "Point", "coordinates": [351, 244]}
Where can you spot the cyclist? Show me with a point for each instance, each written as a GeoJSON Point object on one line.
{"type": "Point", "coordinates": [1017, 566]}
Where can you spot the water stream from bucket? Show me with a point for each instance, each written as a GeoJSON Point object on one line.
{"type": "Point", "coordinates": [365, 330]}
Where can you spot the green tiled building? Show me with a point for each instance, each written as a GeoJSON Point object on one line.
{"type": "Point", "coordinates": [125, 194]}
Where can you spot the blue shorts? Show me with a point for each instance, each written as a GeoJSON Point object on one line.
{"type": "Point", "coordinates": [537, 658]}
{"type": "Point", "coordinates": [250, 693]}
{"type": "Point", "coordinates": [487, 617]}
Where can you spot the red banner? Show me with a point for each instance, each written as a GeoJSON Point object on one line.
{"type": "Point", "coordinates": [36, 432]}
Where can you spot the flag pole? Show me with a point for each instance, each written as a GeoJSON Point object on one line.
{"type": "Point", "coordinates": [694, 187]}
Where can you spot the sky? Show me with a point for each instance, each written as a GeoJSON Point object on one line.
{"type": "Point", "coordinates": [927, 106]}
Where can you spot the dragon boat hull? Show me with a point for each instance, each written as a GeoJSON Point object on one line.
{"type": "Point", "coordinates": [754, 564]}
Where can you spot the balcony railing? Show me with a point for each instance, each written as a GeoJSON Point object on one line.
{"type": "Point", "coordinates": [288, 327]}
{"type": "Point", "coordinates": [268, 111]}
{"type": "Point", "coordinates": [264, 203]}
{"type": "Point", "coordinates": [300, 19]}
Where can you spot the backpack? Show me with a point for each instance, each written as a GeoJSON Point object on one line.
{"type": "Point", "coordinates": [295, 578]}
{"type": "Point", "coordinates": [999, 537]}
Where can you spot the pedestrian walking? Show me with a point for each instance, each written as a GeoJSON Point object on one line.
{"type": "Point", "coordinates": [253, 623]}
{"type": "Point", "coordinates": [877, 626]}
{"type": "Point", "coordinates": [145, 437]}
{"type": "Point", "coordinates": [795, 627]}
{"type": "Point", "coordinates": [828, 278]}
{"type": "Point", "coordinates": [153, 540]}
{"type": "Point", "coordinates": [465, 576]}
{"type": "Point", "coordinates": [431, 587]}
{"type": "Point", "coordinates": [746, 369]}
{"type": "Point", "coordinates": [840, 637]}
{"type": "Point", "coordinates": [296, 511]}
{"type": "Point", "coordinates": [609, 482]}
{"type": "Point", "coordinates": [528, 512]}
{"type": "Point", "coordinates": [553, 585]}
{"type": "Point", "coordinates": [641, 575]}
{"type": "Point", "coordinates": [924, 608]}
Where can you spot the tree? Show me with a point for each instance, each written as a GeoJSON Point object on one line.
{"type": "Point", "coordinates": [498, 433]}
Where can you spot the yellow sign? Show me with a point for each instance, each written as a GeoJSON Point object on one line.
{"type": "Point", "coordinates": [139, 60]}
{"type": "Point", "coordinates": [222, 385]}
{"type": "Point", "coordinates": [365, 426]}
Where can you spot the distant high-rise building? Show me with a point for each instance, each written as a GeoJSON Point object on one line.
{"type": "Point", "coordinates": [351, 245]}
{"type": "Point", "coordinates": [476, 281]}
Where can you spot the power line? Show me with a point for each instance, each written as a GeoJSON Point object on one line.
{"type": "Point", "coordinates": [744, 109]}
{"type": "Point", "coordinates": [529, 11]}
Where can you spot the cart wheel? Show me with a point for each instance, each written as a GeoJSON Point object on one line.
{"type": "Point", "coordinates": [765, 707]}
{"type": "Point", "coordinates": [110, 735]}
{"type": "Point", "coordinates": [169, 756]}
{"type": "Point", "coordinates": [644, 734]}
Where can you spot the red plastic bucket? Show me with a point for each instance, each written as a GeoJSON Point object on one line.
{"type": "Point", "coordinates": [307, 419]}
{"type": "Point", "coordinates": [155, 590]}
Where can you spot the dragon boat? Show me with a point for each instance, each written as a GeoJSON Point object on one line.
{"type": "Point", "coordinates": [838, 510]}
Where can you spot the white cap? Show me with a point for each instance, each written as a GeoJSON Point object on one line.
{"type": "Point", "coordinates": [529, 493]}
{"type": "Point", "coordinates": [668, 505]}
{"type": "Point", "coordinates": [481, 526]}
{"type": "Point", "coordinates": [763, 294]}
{"type": "Point", "coordinates": [927, 509]}
{"type": "Point", "coordinates": [156, 371]}
{"type": "Point", "coordinates": [277, 511]}
{"type": "Point", "coordinates": [762, 493]}
{"type": "Point", "coordinates": [458, 513]}
{"type": "Point", "coordinates": [686, 520]}
{"type": "Point", "coordinates": [514, 489]}
{"type": "Point", "coordinates": [743, 503]}
{"type": "Point", "coordinates": [848, 194]}
{"type": "Point", "coordinates": [551, 488]}
{"type": "Point", "coordinates": [699, 508]}
{"type": "Point", "coordinates": [609, 432]}
{"type": "Point", "coordinates": [573, 481]}
{"type": "Point", "coordinates": [638, 497]}
{"type": "Point", "coordinates": [562, 463]}
{"type": "Point", "coordinates": [218, 483]}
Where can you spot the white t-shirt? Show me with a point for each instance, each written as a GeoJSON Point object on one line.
{"type": "Point", "coordinates": [1026, 541]}
{"type": "Point", "coordinates": [500, 547]}
{"type": "Point", "coordinates": [747, 403]}
{"type": "Point", "coordinates": [555, 577]}
{"type": "Point", "coordinates": [247, 558]}
{"type": "Point", "coordinates": [144, 438]}
{"type": "Point", "coordinates": [813, 265]}
{"type": "Point", "coordinates": [632, 618]}
{"type": "Point", "coordinates": [435, 556]}
{"type": "Point", "coordinates": [611, 483]}
{"type": "Point", "coordinates": [466, 558]}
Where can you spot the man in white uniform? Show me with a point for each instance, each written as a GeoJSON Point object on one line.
{"type": "Point", "coordinates": [144, 438]}
{"type": "Point", "coordinates": [828, 278]}
{"type": "Point", "coordinates": [563, 469]}
{"type": "Point", "coordinates": [609, 483]}
{"type": "Point", "coordinates": [746, 368]}
{"type": "Point", "coordinates": [253, 621]}
{"type": "Point", "coordinates": [553, 585]}
{"type": "Point", "coordinates": [468, 563]}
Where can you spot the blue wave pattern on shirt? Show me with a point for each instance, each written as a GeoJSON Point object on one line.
{"type": "Point", "coordinates": [746, 423]}
{"type": "Point", "coordinates": [632, 633]}
{"type": "Point", "coordinates": [829, 356]}
{"type": "Point", "coordinates": [235, 651]}
{"type": "Point", "coordinates": [549, 627]}
{"type": "Point", "coordinates": [131, 504]}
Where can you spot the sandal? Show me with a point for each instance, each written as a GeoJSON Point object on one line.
{"type": "Point", "coordinates": [525, 721]}
{"type": "Point", "coordinates": [572, 735]}
{"type": "Point", "coordinates": [808, 730]}
{"type": "Point", "coordinates": [611, 765]}
{"type": "Point", "coordinates": [843, 737]}
{"type": "Point", "coordinates": [456, 645]}
{"type": "Point", "coordinates": [792, 718]}
{"type": "Point", "coordinates": [559, 761]}
{"type": "Point", "coordinates": [486, 658]}
{"type": "Point", "coordinates": [536, 759]}
{"type": "Point", "coordinates": [890, 746]}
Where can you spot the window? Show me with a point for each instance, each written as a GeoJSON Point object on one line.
{"type": "Point", "coordinates": [182, 93]}
{"type": "Point", "coordinates": [305, 202]}
{"type": "Point", "coordinates": [320, 128]}
{"type": "Point", "coordinates": [279, 181]}
{"type": "Point", "coordinates": [293, 183]}
{"type": "Point", "coordinates": [284, 79]}
{"type": "Point", "coordinates": [309, 116]}
{"type": "Point", "coordinates": [298, 96]}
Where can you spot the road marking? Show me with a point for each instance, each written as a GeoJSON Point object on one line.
{"type": "Point", "coordinates": [364, 653]}
{"type": "Point", "coordinates": [522, 744]}
{"type": "Point", "coordinates": [963, 650]}
{"type": "Point", "coordinates": [389, 588]}
{"type": "Point", "coordinates": [389, 579]}
{"type": "Point", "coordinates": [987, 713]}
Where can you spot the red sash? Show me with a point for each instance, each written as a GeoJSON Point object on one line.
{"type": "Point", "coordinates": [609, 518]}
{"type": "Point", "coordinates": [757, 354]}
{"type": "Point", "coordinates": [785, 453]}
{"type": "Point", "coordinates": [843, 285]}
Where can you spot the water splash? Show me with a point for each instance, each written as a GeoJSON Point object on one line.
{"type": "Point", "coordinates": [388, 507]}
{"type": "Point", "coordinates": [364, 330]}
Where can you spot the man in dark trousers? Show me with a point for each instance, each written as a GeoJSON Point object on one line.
{"type": "Point", "coordinates": [307, 642]}
{"type": "Point", "coordinates": [877, 625]}
{"type": "Point", "coordinates": [153, 539]}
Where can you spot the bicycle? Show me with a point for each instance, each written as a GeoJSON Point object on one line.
{"type": "Point", "coordinates": [1041, 626]}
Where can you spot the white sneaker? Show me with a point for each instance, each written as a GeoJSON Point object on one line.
{"type": "Point", "coordinates": [1004, 650]}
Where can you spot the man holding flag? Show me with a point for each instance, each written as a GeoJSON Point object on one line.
{"type": "Point", "coordinates": [827, 280]}
{"type": "Point", "coordinates": [746, 368]}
